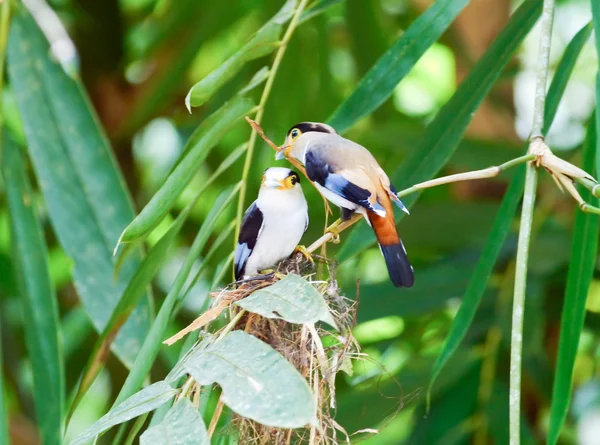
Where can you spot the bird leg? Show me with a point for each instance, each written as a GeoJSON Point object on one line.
{"type": "Point", "coordinates": [333, 229]}
{"type": "Point", "coordinates": [304, 251]}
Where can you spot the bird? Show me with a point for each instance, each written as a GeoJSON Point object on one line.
{"type": "Point", "coordinates": [273, 225]}
{"type": "Point", "coordinates": [349, 176]}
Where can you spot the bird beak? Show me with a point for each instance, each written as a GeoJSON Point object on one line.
{"type": "Point", "coordinates": [272, 183]}
{"type": "Point", "coordinates": [282, 154]}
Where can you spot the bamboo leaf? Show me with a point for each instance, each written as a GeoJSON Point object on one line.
{"type": "Point", "coordinates": [318, 7]}
{"type": "Point", "coordinates": [182, 425]}
{"type": "Point", "coordinates": [264, 42]}
{"type": "Point", "coordinates": [197, 148]}
{"type": "Point", "coordinates": [37, 294]}
{"type": "Point", "coordinates": [148, 399]}
{"type": "Point", "coordinates": [445, 131]}
{"type": "Point", "coordinates": [581, 269]}
{"type": "Point", "coordinates": [379, 83]}
{"type": "Point", "coordinates": [257, 381]}
{"type": "Point", "coordinates": [596, 22]}
{"type": "Point", "coordinates": [504, 217]}
{"type": "Point", "coordinates": [154, 339]}
{"type": "Point", "coordinates": [141, 279]}
{"type": "Point", "coordinates": [292, 299]}
{"type": "Point", "coordinates": [563, 74]}
{"type": "Point", "coordinates": [83, 190]}
{"type": "Point", "coordinates": [3, 407]}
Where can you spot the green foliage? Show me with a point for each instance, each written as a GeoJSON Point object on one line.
{"type": "Point", "coordinates": [83, 190]}
{"type": "Point", "coordinates": [77, 264]}
{"type": "Point", "coordinates": [182, 425]}
{"type": "Point", "coordinates": [257, 381]}
{"type": "Point", "coordinates": [292, 299]}
{"type": "Point", "coordinates": [584, 250]}
{"type": "Point", "coordinates": [38, 296]}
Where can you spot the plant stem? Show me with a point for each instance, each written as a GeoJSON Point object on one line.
{"type": "Point", "coordinates": [516, 344]}
{"type": "Point", "coordinates": [261, 109]}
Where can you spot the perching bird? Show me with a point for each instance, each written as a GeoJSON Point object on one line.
{"type": "Point", "coordinates": [348, 175]}
{"type": "Point", "coordinates": [273, 225]}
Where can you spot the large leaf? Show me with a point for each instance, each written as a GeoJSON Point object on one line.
{"type": "Point", "coordinates": [264, 42]}
{"type": "Point", "coordinates": [153, 342]}
{"type": "Point", "coordinates": [504, 217]}
{"type": "Point", "coordinates": [292, 299]}
{"type": "Point", "coordinates": [581, 269]}
{"type": "Point", "coordinates": [182, 425]}
{"type": "Point", "coordinates": [148, 399]}
{"type": "Point", "coordinates": [445, 131]}
{"type": "Point", "coordinates": [83, 190]}
{"type": "Point", "coordinates": [257, 381]}
{"type": "Point", "coordinates": [197, 148]}
{"type": "Point", "coordinates": [40, 308]}
{"type": "Point", "coordinates": [379, 83]}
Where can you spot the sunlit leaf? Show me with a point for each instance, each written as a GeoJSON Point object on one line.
{"type": "Point", "coordinates": [148, 399]}
{"type": "Point", "coordinates": [379, 83]}
{"type": "Point", "coordinates": [182, 425]}
{"type": "Point", "coordinates": [257, 381]}
{"type": "Point", "coordinates": [292, 299]}
{"type": "Point", "coordinates": [581, 270]}
{"type": "Point", "coordinates": [82, 187]}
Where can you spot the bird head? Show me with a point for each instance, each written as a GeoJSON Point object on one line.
{"type": "Point", "coordinates": [280, 178]}
{"type": "Point", "coordinates": [298, 135]}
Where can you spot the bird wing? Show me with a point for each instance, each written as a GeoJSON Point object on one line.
{"type": "Point", "coordinates": [252, 225]}
{"type": "Point", "coordinates": [346, 173]}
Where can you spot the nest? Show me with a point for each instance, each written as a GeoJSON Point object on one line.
{"type": "Point", "coordinates": [303, 347]}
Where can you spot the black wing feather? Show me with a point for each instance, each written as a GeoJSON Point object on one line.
{"type": "Point", "coordinates": [251, 227]}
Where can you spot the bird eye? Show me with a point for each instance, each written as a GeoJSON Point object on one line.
{"type": "Point", "coordinates": [295, 133]}
{"type": "Point", "coordinates": [294, 180]}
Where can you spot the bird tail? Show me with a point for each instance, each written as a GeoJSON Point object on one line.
{"type": "Point", "coordinates": [394, 253]}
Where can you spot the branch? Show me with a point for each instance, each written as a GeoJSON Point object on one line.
{"type": "Point", "coordinates": [259, 115]}
{"type": "Point", "coordinates": [536, 139]}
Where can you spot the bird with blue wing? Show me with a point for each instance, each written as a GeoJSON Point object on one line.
{"type": "Point", "coordinates": [349, 176]}
{"type": "Point", "coordinates": [273, 225]}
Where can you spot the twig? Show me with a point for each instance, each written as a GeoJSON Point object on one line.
{"type": "Point", "coordinates": [215, 418]}
{"type": "Point", "coordinates": [259, 115]}
{"type": "Point", "coordinates": [516, 343]}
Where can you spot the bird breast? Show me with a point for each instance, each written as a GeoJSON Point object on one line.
{"type": "Point", "coordinates": [285, 215]}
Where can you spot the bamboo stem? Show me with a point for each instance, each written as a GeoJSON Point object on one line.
{"type": "Point", "coordinates": [261, 109]}
{"type": "Point", "coordinates": [516, 344]}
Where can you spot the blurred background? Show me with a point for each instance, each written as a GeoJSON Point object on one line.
{"type": "Point", "coordinates": [139, 58]}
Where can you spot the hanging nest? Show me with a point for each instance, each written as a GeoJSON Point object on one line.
{"type": "Point", "coordinates": [317, 353]}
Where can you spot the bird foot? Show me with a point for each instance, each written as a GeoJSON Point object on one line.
{"type": "Point", "coordinates": [335, 233]}
{"type": "Point", "coordinates": [305, 253]}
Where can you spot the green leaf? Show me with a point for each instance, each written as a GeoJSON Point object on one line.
{"type": "Point", "coordinates": [40, 308]}
{"type": "Point", "coordinates": [141, 279]}
{"type": "Point", "coordinates": [292, 299]}
{"type": "Point", "coordinates": [581, 269]}
{"type": "Point", "coordinates": [182, 425]}
{"type": "Point", "coordinates": [504, 217]}
{"type": "Point", "coordinates": [148, 399]}
{"type": "Point", "coordinates": [596, 21]}
{"type": "Point", "coordinates": [563, 74]}
{"type": "Point", "coordinates": [3, 407]}
{"type": "Point", "coordinates": [445, 131]}
{"type": "Point", "coordinates": [379, 83]}
{"type": "Point", "coordinates": [264, 42]}
{"type": "Point", "coordinates": [317, 7]}
{"type": "Point", "coordinates": [259, 77]}
{"type": "Point", "coordinates": [257, 381]}
{"type": "Point", "coordinates": [153, 341]}
{"type": "Point", "coordinates": [197, 148]}
{"type": "Point", "coordinates": [83, 190]}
